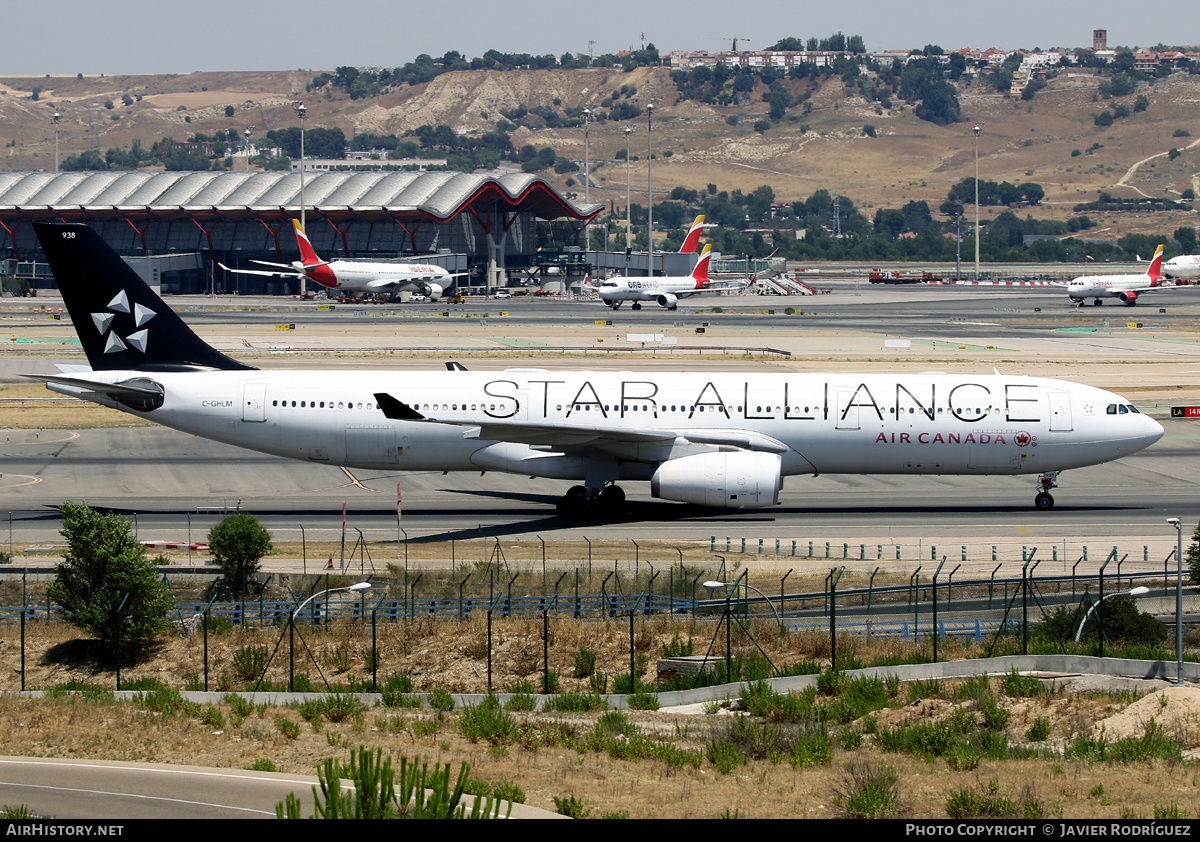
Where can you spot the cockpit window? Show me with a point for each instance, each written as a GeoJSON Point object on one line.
{"type": "Point", "coordinates": [1133, 408]}
{"type": "Point", "coordinates": [1112, 409]}
{"type": "Point", "coordinates": [1123, 409]}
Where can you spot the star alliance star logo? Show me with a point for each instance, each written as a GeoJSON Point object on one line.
{"type": "Point", "coordinates": [113, 343]}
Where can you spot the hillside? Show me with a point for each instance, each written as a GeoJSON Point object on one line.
{"type": "Point", "coordinates": [908, 159]}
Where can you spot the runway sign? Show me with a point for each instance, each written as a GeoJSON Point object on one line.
{"type": "Point", "coordinates": [1185, 412]}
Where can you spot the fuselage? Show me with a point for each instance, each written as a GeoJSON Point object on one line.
{"type": "Point", "coordinates": [368, 276]}
{"type": "Point", "coordinates": [1185, 266]}
{"type": "Point", "coordinates": [648, 289]}
{"type": "Point", "coordinates": [1107, 286]}
{"type": "Point", "coordinates": [816, 423]}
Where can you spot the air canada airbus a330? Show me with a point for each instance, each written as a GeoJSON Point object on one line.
{"type": "Point", "coordinates": [720, 440]}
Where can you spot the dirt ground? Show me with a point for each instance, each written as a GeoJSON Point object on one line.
{"type": "Point", "coordinates": [545, 759]}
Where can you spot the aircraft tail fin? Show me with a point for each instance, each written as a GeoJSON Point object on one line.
{"type": "Point", "coordinates": [314, 267]}
{"type": "Point", "coordinates": [121, 323]}
{"type": "Point", "coordinates": [308, 255]}
{"type": "Point", "coordinates": [692, 241]}
{"type": "Point", "coordinates": [700, 273]}
{"type": "Point", "coordinates": [1154, 273]}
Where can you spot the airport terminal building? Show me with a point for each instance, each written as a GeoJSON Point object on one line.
{"type": "Point", "coordinates": [185, 223]}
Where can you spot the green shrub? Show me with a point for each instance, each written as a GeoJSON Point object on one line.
{"type": "Point", "coordinates": [488, 721]}
{"type": "Point", "coordinates": [970, 803]}
{"type": "Point", "coordinates": [643, 701]}
{"type": "Point", "coordinates": [585, 663]}
{"type": "Point", "coordinates": [868, 791]}
{"type": "Point", "coordinates": [249, 662]}
{"type": "Point", "coordinates": [724, 756]}
{"type": "Point", "coordinates": [262, 765]}
{"type": "Point", "coordinates": [1021, 686]}
{"type": "Point", "coordinates": [441, 700]}
{"type": "Point", "coordinates": [506, 790]}
{"type": "Point", "coordinates": [521, 702]}
{"type": "Point", "coordinates": [1039, 730]}
{"type": "Point", "coordinates": [571, 807]}
{"type": "Point", "coordinates": [575, 702]}
{"type": "Point", "coordinates": [287, 727]}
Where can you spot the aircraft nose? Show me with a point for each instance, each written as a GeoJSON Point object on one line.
{"type": "Point", "coordinates": [1154, 430]}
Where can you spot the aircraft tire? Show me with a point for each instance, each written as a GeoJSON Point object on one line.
{"type": "Point", "coordinates": [1097, 302]}
{"type": "Point", "coordinates": [637, 305]}
{"type": "Point", "coordinates": [611, 499]}
{"type": "Point", "coordinates": [1043, 502]}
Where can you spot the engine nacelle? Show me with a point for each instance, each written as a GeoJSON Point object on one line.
{"type": "Point", "coordinates": [1129, 298]}
{"type": "Point", "coordinates": [667, 300]}
{"type": "Point", "coordinates": [726, 480]}
{"type": "Point", "coordinates": [432, 291]}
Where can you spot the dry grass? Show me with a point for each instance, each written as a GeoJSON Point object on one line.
{"type": "Point", "coordinates": [544, 759]}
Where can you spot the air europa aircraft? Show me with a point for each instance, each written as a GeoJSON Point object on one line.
{"type": "Point", "coordinates": [720, 440]}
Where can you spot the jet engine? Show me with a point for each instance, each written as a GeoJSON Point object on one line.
{"type": "Point", "coordinates": [667, 300]}
{"type": "Point", "coordinates": [1129, 298]}
{"type": "Point", "coordinates": [725, 480]}
{"type": "Point", "coordinates": [431, 291]}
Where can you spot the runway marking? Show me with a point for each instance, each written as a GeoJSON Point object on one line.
{"type": "Point", "coordinates": [134, 795]}
{"type": "Point", "coordinates": [31, 480]}
{"type": "Point", "coordinates": [37, 439]}
{"type": "Point", "coordinates": [1026, 532]}
{"type": "Point", "coordinates": [354, 481]}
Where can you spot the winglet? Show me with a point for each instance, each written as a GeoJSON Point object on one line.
{"type": "Point", "coordinates": [397, 410]}
{"type": "Point", "coordinates": [692, 241]}
{"type": "Point", "coordinates": [1154, 273]}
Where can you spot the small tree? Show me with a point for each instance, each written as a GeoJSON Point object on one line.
{"type": "Point", "coordinates": [237, 544]}
{"type": "Point", "coordinates": [1192, 559]}
{"type": "Point", "coordinates": [104, 566]}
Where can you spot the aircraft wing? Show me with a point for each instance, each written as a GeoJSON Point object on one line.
{"type": "Point", "coordinates": [599, 437]}
{"type": "Point", "coordinates": [276, 274]}
{"type": "Point", "coordinates": [384, 283]}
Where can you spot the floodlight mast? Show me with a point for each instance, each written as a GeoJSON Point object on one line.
{"type": "Point", "coordinates": [302, 113]}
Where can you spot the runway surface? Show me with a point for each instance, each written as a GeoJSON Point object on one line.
{"type": "Point", "coordinates": [165, 477]}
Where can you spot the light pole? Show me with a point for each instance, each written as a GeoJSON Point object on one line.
{"type": "Point", "coordinates": [1138, 591]}
{"type": "Point", "coordinates": [358, 587]}
{"type": "Point", "coordinates": [302, 113]}
{"type": "Point", "coordinates": [650, 190]}
{"type": "Point", "coordinates": [1174, 521]}
{"type": "Point", "coordinates": [56, 118]}
{"type": "Point", "coordinates": [715, 584]}
{"type": "Point", "coordinates": [249, 131]}
{"type": "Point", "coordinates": [587, 162]}
{"type": "Point", "coordinates": [978, 130]}
{"type": "Point", "coordinates": [628, 216]}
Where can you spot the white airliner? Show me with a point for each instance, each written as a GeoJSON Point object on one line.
{"type": "Point", "coordinates": [1125, 287]}
{"type": "Point", "coordinates": [1186, 266]}
{"type": "Point", "coordinates": [723, 440]}
{"type": "Point", "coordinates": [356, 277]}
{"type": "Point", "coordinates": [665, 291]}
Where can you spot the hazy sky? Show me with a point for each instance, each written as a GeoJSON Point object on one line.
{"type": "Point", "coordinates": [122, 36]}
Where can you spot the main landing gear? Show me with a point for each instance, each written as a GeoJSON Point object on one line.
{"type": "Point", "coordinates": [1043, 501]}
{"type": "Point", "coordinates": [581, 501]}
{"type": "Point", "coordinates": [637, 305]}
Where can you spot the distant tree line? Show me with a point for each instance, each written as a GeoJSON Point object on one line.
{"type": "Point", "coordinates": [755, 224]}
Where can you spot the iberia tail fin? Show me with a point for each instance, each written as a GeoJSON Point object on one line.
{"type": "Point", "coordinates": [308, 255]}
{"type": "Point", "coordinates": [692, 241]}
{"type": "Point", "coordinates": [700, 273]}
{"type": "Point", "coordinates": [1154, 273]}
